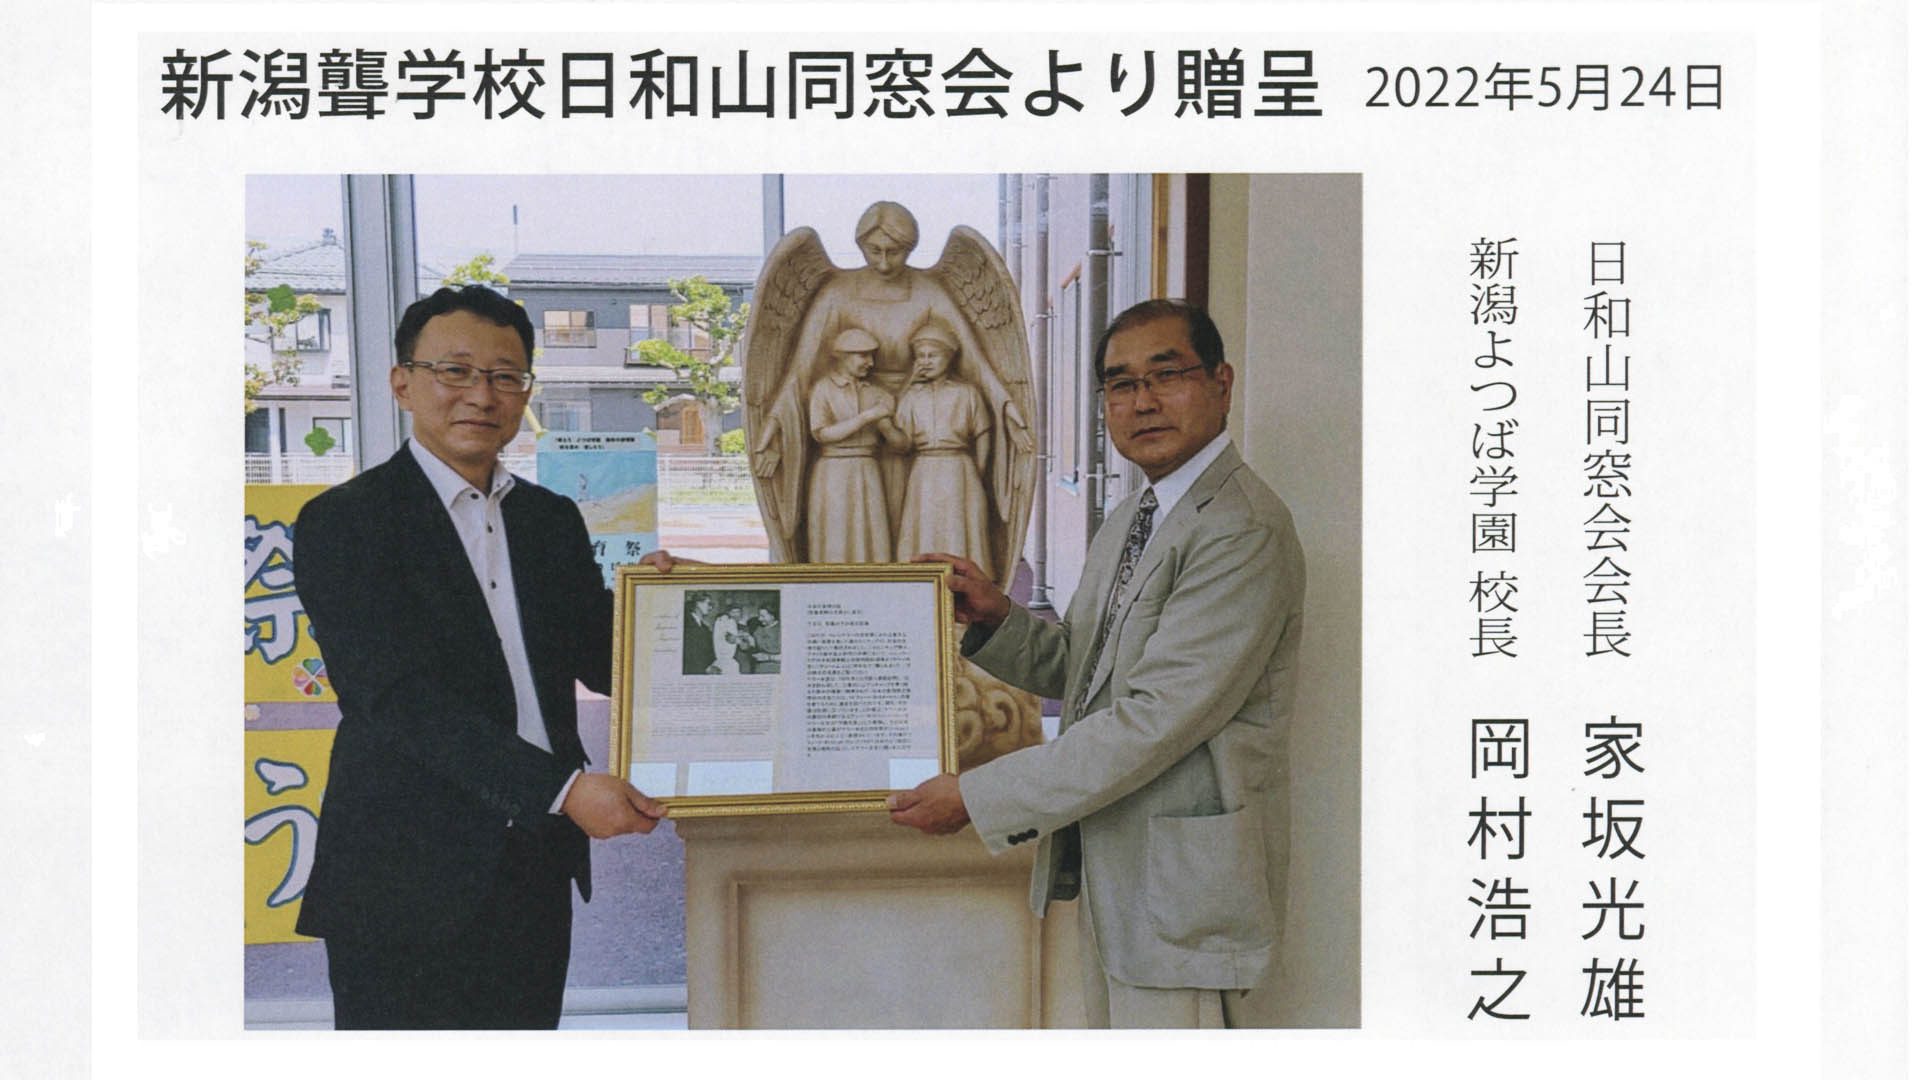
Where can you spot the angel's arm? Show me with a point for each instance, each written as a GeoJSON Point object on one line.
{"type": "Point", "coordinates": [1017, 428]}
{"type": "Point", "coordinates": [766, 450]}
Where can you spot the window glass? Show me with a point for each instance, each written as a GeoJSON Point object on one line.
{"type": "Point", "coordinates": [312, 333]}
{"type": "Point", "coordinates": [590, 258]}
{"type": "Point", "coordinates": [296, 367]}
{"type": "Point", "coordinates": [568, 329]}
{"type": "Point", "coordinates": [299, 431]}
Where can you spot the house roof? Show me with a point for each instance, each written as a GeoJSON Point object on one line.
{"type": "Point", "coordinates": [604, 375]}
{"type": "Point", "coordinates": [320, 267]}
{"type": "Point", "coordinates": [613, 271]}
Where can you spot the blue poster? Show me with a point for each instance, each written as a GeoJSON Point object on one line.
{"type": "Point", "coordinates": [614, 477]}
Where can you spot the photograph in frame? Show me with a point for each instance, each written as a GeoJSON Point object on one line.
{"type": "Point", "coordinates": [783, 688]}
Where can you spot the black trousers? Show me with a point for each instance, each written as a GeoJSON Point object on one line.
{"type": "Point", "coordinates": [507, 970]}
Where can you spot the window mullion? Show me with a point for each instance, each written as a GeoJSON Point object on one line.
{"type": "Point", "coordinates": [381, 271]}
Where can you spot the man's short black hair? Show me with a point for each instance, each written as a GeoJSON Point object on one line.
{"type": "Point", "coordinates": [478, 299]}
{"type": "Point", "coordinates": [1202, 334]}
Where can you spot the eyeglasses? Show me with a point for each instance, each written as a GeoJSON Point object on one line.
{"type": "Point", "coordinates": [460, 376]}
{"type": "Point", "coordinates": [1122, 390]}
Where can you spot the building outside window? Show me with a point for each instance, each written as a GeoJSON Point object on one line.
{"type": "Point", "coordinates": [646, 322]}
{"type": "Point", "coordinates": [564, 415]}
{"type": "Point", "coordinates": [654, 322]}
{"type": "Point", "coordinates": [339, 431]}
{"type": "Point", "coordinates": [296, 254]}
{"type": "Point", "coordinates": [567, 329]}
{"type": "Point", "coordinates": [313, 333]}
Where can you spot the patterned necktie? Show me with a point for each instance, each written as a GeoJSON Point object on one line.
{"type": "Point", "coordinates": [1129, 557]}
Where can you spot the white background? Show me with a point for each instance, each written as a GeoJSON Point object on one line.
{"type": "Point", "coordinates": [1829, 544]}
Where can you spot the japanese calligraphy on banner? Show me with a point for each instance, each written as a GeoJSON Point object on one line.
{"type": "Point", "coordinates": [283, 661]}
{"type": "Point", "coordinates": [286, 776]}
{"type": "Point", "coordinates": [615, 480]}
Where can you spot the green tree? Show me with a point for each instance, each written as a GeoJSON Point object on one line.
{"type": "Point", "coordinates": [270, 312]}
{"type": "Point", "coordinates": [319, 440]}
{"type": "Point", "coordinates": [475, 271]}
{"type": "Point", "coordinates": [706, 307]}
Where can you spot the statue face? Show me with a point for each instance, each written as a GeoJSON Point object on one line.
{"type": "Point", "coordinates": [930, 360]}
{"type": "Point", "coordinates": [856, 364]}
{"type": "Point", "coordinates": [885, 256]}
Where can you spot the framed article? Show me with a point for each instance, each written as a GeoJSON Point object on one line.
{"type": "Point", "coordinates": [785, 688]}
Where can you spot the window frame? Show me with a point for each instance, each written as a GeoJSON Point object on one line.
{"type": "Point", "coordinates": [577, 333]}
{"type": "Point", "coordinates": [322, 341]}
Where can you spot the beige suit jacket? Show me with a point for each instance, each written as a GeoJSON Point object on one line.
{"type": "Point", "coordinates": [1175, 772]}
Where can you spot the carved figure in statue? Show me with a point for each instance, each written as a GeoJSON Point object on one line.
{"type": "Point", "coordinates": [945, 420]}
{"type": "Point", "coordinates": [803, 303]}
{"type": "Point", "coordinates": [850, 419]}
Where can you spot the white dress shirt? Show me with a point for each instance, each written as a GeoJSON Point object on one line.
{"type": "Point", "coordinates": [1171, 488]}
{"type": "Point", "coordinates": [483, 533]}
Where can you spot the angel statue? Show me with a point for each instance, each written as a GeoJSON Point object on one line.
{"type": "Point", "coordinates": [803, 304]}
{"type": "Point", "coordinates": [950, 441]}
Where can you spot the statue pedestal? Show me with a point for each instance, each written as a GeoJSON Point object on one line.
{"type": "Point", "coordinates": [849, 921]}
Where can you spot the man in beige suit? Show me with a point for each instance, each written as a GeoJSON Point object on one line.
{"type": "Point", "coordinates": [1163, 802]}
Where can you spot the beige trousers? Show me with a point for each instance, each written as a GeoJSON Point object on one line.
{"type": "Point", "coordinates": [1111, 1003]}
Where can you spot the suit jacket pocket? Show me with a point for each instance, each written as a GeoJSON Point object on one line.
{"type": "Point", "coordinates": [1207, 882]}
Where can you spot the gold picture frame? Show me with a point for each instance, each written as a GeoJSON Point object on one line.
{"type": "Point", "coordinates": [758, 731]}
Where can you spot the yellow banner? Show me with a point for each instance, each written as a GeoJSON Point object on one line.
{"type": "Point", "coordinates": [283, 662]}
{"type": "Point", "coordinates": [286, 775]}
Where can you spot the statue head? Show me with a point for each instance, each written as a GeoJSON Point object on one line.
{"type": "Point", "coordinates": [887, 234]}
{"type": "Point", "coordinates": [853, 350]}
{"type": "Point", "coordinates": [934, 347]}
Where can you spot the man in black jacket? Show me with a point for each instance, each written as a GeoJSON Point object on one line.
{"type": "Point", "coordinates": [456, 606]}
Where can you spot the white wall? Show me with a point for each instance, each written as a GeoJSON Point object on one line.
{"type": "Point", "coordinates": [1286, 289]}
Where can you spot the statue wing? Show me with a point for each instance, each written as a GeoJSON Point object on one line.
{"type": "Point", "coordinates": [775, 384]}
{"type": "Point", "coordinates": [976, 278]}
